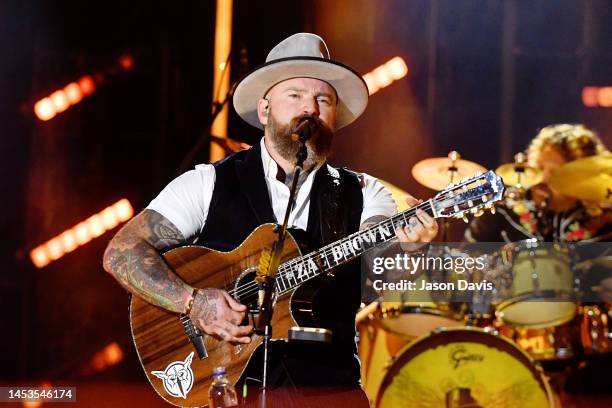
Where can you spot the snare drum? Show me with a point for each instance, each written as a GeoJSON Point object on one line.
{"type": "Point", "coordinates": [464, 367]}
{"type": "Point", "coordinates": [532, 280]}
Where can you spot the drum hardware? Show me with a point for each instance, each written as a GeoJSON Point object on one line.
{"type": "Point", "coordinates": [519, 177]}
{"type": "Point", "coordinates": [595, 335]}
{"type": "Point", "coordinates": [437, 173]}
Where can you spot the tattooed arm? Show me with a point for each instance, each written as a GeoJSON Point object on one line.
{"type": "Point", "coordinates": [132, 258]}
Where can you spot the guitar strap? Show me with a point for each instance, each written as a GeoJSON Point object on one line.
{"type": "Point", "coordinates": [333, 225]}
{"type": "Point", "coordinates": [338, 201]}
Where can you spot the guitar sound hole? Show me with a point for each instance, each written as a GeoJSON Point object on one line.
{"type": "Point", "coordinates": [246, 290]}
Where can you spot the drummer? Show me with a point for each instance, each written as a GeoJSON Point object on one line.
{"type": "Point", "coordinates": [544, 213]}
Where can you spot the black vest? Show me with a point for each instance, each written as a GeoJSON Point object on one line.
{"type": "Point", "coordinates": [240, 203]}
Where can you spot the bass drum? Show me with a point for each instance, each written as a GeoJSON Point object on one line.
{"type": "Point", "coordinates": [464, 367]}
{"type": "Point", "coordinates": [385, 329]}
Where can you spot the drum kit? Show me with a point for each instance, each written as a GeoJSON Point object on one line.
{"type": "Point", "coordinates": [501, 350]}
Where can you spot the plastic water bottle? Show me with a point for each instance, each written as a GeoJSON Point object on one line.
{"type": "Point", "coordinates": [221, 393]}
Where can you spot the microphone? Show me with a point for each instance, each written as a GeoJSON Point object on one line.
{"type": "Point", "coordinates": [304, 130]}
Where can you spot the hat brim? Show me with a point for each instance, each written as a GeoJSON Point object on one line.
{"type": "Point", "coordinates": [351, 89]}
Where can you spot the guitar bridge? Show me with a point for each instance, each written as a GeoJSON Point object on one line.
{"type": "Point", "coordinates": [195, 336]}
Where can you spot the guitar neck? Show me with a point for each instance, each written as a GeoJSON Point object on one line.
{"type": "Point", "coordinates": [297, 271]}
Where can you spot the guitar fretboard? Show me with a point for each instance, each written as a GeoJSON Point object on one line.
{"type": "Point", "coordinates": [297, 271]}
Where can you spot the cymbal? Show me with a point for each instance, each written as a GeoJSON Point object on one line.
{"type": "Point", "coordinates": [587, 179]}
{"type": "Point", "coordinates": [398, 194]}
{"type": "Point", "coordinates": [515, 174]}
{"type": "Point", "coordinates": [436, 172]}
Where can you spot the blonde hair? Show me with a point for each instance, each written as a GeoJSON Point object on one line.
{"type": "Point", "coordinates": [573, 141]}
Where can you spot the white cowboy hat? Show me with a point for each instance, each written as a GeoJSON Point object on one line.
{"type": "Point", "coordinates": [303, 55]}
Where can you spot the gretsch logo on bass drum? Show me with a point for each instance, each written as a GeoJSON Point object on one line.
{"type": "Point", "coordinates": [177, 377]}
{"type": "Point", "coordinates": [460, 356]}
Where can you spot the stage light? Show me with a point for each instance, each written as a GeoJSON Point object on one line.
{"type": "Point", "coordinates": [384, 75]}
{"type": "Point", "coordinates": [123, 210]}
{"type": "Point", "coordinates": [87, 84]}
{"type": "Point", "coordinates": [605, 97]}
{"type": "Point", "coordinates": [109, 356]}
{"type": "Point", "coordinates": [597, 96]}
{"type": "Point", "coordinates": [37, 403]}
{"type": "Point", "coordinates": [60, 100]}
{"type": "Point", "coordinates": [221, 72]}
{"type": "Point", "coordinates": [81, 233]}
{"type": "Point", "coordinates": [589, 96]}
{"type": "Point", "coordinates": [44, 109]}
{"type": "Point", "coordinates": [73, 93]}
{"type": "Point", "coordinates": [126, 62]}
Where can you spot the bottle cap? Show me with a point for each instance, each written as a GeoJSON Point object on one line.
{"type": "Point", "coordinates": [219, 371]}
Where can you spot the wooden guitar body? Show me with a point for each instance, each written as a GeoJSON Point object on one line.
{"type": "Point", "coordinates": [160, 338]}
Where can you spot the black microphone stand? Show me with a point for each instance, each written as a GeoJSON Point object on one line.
{"type": "Point", "coordinates": [264, 326]}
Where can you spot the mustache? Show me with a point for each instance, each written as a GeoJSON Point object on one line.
{"type": "Point", "coordinates": [320, 127]}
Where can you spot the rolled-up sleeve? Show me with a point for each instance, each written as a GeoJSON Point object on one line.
{"type": "Point", "coordinates": [186, 199]}
{"type": "Point", "coordinates": [377, 199]}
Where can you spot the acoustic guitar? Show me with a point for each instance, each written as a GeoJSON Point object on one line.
{"type": "Point", "coordinates": [178, 360]}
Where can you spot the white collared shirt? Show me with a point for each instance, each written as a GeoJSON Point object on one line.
{"type": "Point", "coordinates": [186, 200]}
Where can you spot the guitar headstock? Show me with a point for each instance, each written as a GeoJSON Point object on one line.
{"type": "Point", "coordinates": [471, 195]}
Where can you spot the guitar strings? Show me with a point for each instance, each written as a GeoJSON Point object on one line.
{"type": "Point", "coordinates": [285, 268]}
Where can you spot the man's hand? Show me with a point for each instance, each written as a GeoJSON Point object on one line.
{"type": "Point", "coordinates": [421, 228]}
{"type": "Point", "coordinates": [219, 315]}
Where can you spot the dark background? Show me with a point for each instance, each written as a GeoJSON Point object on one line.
{"type": "Point", "coordinates": [484, 77]}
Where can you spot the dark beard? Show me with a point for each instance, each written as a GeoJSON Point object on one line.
{"type": "Point", "coordinates": [319, 145]}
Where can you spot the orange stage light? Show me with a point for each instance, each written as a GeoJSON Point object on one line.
{"type": "Point", "coordinates": [123, 209]}
{"type": "Point", "coordinates": [589, 96]}
{"type": "Point", "coordinates": [597, 96]}
{"type": "Point", "coordinates": [112, 354]}
{"type": "Point", "coordinates": [95, 226]}
{"type": "Point", "coordinates": [39, 257]}
{"type": "Point", "coordinates": [60, 100]}
{"type": "Point", "coordinates": [397, 68]}
{"type": "Point", "coordinates": [81, 233]}
{"type": "Point", "coordinates": [74, 93]}
{"type": "Point", "coordinates": [126, 62]}
{"type": "Point", "coordinates": [109, 356]}
{"type": "Point", "coordinates": [54, 249]}
{"type": "Point", "coordinates": [605, 97]}
{"type": "Point", "coordinates": [44, 109]}
{"type": "Point", "coordinates": [109, 218]}
{"type": "Point", "coordinates": [87, 84]}
{"type": "Point", "coordinates": [384, 75]}
{"type": "Point", "coordinates": [68, 241]}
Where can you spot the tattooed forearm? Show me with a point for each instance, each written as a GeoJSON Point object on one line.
{"type": "Point", "coordinates": [372, 221]}
{"type": "Point", "coordinates": [132, 258]}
